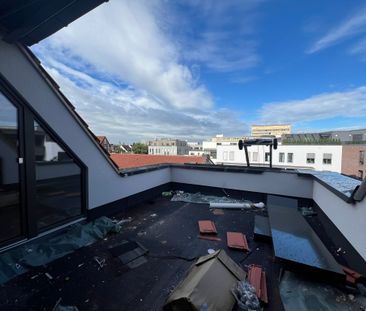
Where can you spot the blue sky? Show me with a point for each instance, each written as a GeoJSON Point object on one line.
{"type": "Point", "coordinates": [137, 70]}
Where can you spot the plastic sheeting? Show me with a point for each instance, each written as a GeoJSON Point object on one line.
{"type": "Point", "coordinates": [202, 198]}
{"type": "Point", "coordinates": [18, 260]}
{"type": "Point", "coordinates": [246, 297]}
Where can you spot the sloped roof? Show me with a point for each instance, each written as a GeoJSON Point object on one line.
{"type": "Point", "coordinates": [30, 21]}
{"type": "Point", "coordinates": [128, 160]}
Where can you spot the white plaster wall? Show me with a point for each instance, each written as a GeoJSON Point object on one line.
{"type": "Point", "coordinates": [349, 219]}
{"type": "Point", "coordinates": [209, 145]}
{"type": "Point", "coordinates": [268, 182]}
{"type": "Point", "coordinates": [299, 156]}
{"type": "Point", "coordinates": [105, 185]}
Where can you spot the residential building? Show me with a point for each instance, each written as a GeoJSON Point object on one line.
{"type": "Point", "coordinates": [276, 130]}
{"type": "Point", "coordinates": [103, 141]}
{"type": "Point", "coordinates": [354, 161]}
{"type": "Point", "coordinates": [316, 157]}
{"type": "Point", "coordinates": [168, 147]}
{"type": "Point", "coordinates": [221, 138]}
{"type": "Point", "coordinates": [45, 199]}
{"type": "Point", "coordinates": [210, 148]}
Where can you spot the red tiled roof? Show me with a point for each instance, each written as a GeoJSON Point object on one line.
{"type": "Point", "coordinates": [128, 160]}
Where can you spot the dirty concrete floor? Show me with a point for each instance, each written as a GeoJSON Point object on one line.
{"type": "Point", "coordinates": [167, 229]}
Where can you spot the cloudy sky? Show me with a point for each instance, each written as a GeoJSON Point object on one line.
{"type": "Point", "coordinates": [141, 69]}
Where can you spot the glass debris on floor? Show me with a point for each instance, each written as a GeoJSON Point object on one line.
{"type": "Point", "coordinates": [246, 297]}
{"type": "Point", "coordinates": [44, 250]}
{"type": "Point", "coordinates": [215, 201]}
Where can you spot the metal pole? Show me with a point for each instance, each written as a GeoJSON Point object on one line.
{"type": "Point", "coordinates": [270, 156]}
{"type": "Point", "coordinates": [246, 155]}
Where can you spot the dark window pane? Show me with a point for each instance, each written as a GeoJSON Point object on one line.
{"type": "Point", "coordinates": [10, 216]}
{"type": "Point", "coordinates": [58, 181]}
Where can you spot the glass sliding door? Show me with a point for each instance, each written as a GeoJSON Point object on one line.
{"type": "Point", "coordinates": [58, 181]}
{"type": "Point", "coordinates": [10, 199]}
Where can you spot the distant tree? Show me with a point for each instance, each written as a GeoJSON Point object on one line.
{"type": "Point", "coordinates": [139, 148]}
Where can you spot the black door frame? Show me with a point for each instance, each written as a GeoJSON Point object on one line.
{"type": "Point", "coordinates": [26, 117]}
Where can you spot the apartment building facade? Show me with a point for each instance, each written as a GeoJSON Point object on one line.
{"type": "Point", "coordinates": [168, 147]}
{"type": "Point", "coordinates": [317, 157]}
{"type": "Point", "coordinates": [270, 130]}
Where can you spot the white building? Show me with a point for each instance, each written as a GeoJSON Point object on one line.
{"type": "Point", "coordinates": [168, 147]}
{"type": "Point", "coordinates": [318, 157]}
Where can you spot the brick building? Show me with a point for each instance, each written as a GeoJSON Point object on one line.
{"type": "Point", "coordinates": [353, 160]}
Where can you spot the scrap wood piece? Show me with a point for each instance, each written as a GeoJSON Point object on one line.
{"type": "Point", "coordinates": [209, 238]}
{"type": "Point", "coordinates": [257, 278]}
{"type": "Point", "coordinates": [237, 240]}
{"type": "Point", "coordinates": [264, 294]}
{"type": "Point", "coordinates": [207, 227]}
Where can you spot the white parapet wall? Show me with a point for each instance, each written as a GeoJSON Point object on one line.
{"type": "Point", "coordinates": [348, 218]}
{"type": "Point", "coordinates": [280, 183]}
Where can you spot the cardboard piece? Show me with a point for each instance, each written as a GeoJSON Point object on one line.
{"type": "Point", "coordinates": [209, 281]}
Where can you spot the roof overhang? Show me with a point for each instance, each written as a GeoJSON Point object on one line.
{"type": "Point", "coordinates": [30, 21]}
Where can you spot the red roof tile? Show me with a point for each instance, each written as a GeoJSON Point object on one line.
{"type": "Point", "coordinates": [207, 226]}
{"type": "Point", "coordinates": [237, 240]}
{"type": "Point", "coordinates": [257, 278]}
{"type": "Point", "coordinates": [125, 160]}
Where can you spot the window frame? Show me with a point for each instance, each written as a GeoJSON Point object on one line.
{"type": "Point", "coordinates": [26, 116]}
{"type": "Point", "coordinates": [325, 159]}
{"type": "Point", "coordinates": [308, 158]}
{"type": "Point", "coordinates": [281, 157]}
{"type": "Point", "coordinates": [288, 157]}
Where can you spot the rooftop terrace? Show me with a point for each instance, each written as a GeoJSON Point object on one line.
{"type": "Point", "coordinates": [92, 278]}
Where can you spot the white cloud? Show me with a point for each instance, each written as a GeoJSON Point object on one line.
{"type": "Point", "coordinates": [350, 103]}
{"type": "Point", "coordinates": [127, 115]}
{"type": "Point", "coordinates": [123, 39]}
{"type": "Point", "coordinates": [347, 28]}
{"type": "Point", "coordinates": [127, 79]}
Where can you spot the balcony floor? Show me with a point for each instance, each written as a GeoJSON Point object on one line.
{"type": "Point", "coordinates": [172, 232]}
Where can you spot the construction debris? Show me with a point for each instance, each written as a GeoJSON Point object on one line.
{"type": "Point", "coordinates": [202, 198]}
{"type": "Point", "coordinates": [307, 211]}
{"type": "Point", "coordinates": [196, 292]}
{"type": "Point", "coordinates": [246, 297]}
{"type": "Point", "coordinates": [351, 276]}
{"type": "Point", "coordinates": [209, 238]}
{"type": "Point", "coordinates": [236, 205]}
{"type": "Point", "coordinates": [59, 307]}
{"type": "Point", "coordinates": [100, 261]}
{"type": "Point", "coordinates": [167, 194]}
{"type": "Point", "coordinates": [257, 278]}
{"type": "Point", "coordinates": [218, 211]}
{"type": "Point", "coordinates": [237, 240]}
{"type": "Point", "coordinates": [207, 227]}
{"type": "Point", "coordinates": [18, 260]}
